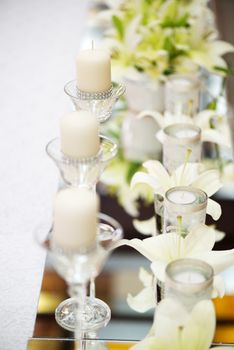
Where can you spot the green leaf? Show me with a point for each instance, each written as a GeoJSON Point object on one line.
{"type": "Point", "coordinates": [133, 167]}
{"type": "Point", "coordinates": [118, 24]}
{"type": "Point", "coordinates": [212, 106]}
{"type": "Point", "coordinates": [228, 71]}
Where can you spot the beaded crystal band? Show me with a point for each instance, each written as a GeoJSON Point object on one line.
{"type": "Point", "coordinates": [100, 95]}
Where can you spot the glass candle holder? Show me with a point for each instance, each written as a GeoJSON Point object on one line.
{"type": "Point", "coordinates": [99, 103]}
{"type": "Point", "coordinates": [84, 171]}
{"type": "Point", "coordinates": [159, 212]}
{"type": "Point", "coordinates": [184, 209]}
{"type": "Point", "coordinates": [189, 281]}
{"type": "Point", "coordinates": [179, 141]}
{"type": "Point", "coordinates": [182, 94]}
{"type": "Point", "coordinates": [79, 313]}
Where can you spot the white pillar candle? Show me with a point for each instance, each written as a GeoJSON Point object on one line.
{"type": "Point", "coordinates": [79, 133]}
{"type": "Point", "coordinates": [93, 70]}
{"type": "Point", "coordinates": [182, 197]}
{"type": "Point", "coordinates": [75, 219]}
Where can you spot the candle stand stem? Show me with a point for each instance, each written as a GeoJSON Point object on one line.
{"type": "Point", "coordinates": [92, 288]}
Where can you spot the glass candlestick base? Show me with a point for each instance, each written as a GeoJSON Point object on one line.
{"type": "Point", "coordinates": [84, 171]}
{"type": "Point", "coordinates": [81, 314]}
{"type": "Point", "coordinates": [99, 103]}
{"type": "Point", "coordinates": [96, 315]}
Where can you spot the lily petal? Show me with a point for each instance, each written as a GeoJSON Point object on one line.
{"type": "Point", "coordinates": [218, 287]}
{"type": "Point", "coordinates": [159, 267]}
{"type": "Point", "coordinates": [200, 327]}
{"type": "Point", "coordinates": [166, 247]}
{"type": "Point", "coordinates": [185, 174]}
{"type": "Point", "coordinates": [215, 136]}
{"type": "Point", "coordinates": [219, 260]}
{"type": "Point", "coordinates": [213, 209]}
{"type": "Point", "coordinates": [169, 318]}
{"type": "Point", "coordinates": [208, 181]}
{"type": "Point", "coordinates": [201, 239]}
{"type": "Point", "coordinates": [146, 227]}
{"type": "Point", "coordinates": [157, 170]}
{"type": "Point", "coordinates": [143, 301]}
{"type": "Point", "coordinates": [145, 277]}
{"type": "Point", "coordinates": [143, 178]}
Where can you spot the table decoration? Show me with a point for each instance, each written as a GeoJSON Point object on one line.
{"type": "Point", "coordinates": [182, 94]}
{"type": "Point", "coordinates": [188, 281]}
{"type": "Point", "coordinates": [188, 331]}
{"type": "Point", "coordinates": [99, 103]}
{"type": "Point", "coordinates": [163, 249]}
{"type": "Point", "coordinates": [184, 209]}
{"type": "Point", "coordinates": [79, 135]}
{"type": "Point", "coordinates": [180, 142]}
{"type": "Point", "coordinates": [84, 171]}
{"type": "Point", "coordinates": [80, 313]}
{"type": "Point", "coordinates": [188, 174]}
{"type": "Point", "coordinates": [154, 45]}
{"type": "Point", "coordinates": [93, 69]}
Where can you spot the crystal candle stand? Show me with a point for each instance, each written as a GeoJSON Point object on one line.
{"type": "Point", "coordinates": [178, 140]}
{"type": "Point", "coordinates": [184, 209]}
{"type": "Point", "coordinates": [84, 171]}
{"type": "Point", "coordinates": [99, 103]}
{"type": "Point", "coordinates": [189, 281]}
{"type": "Point", "coordinates": [79, 313]}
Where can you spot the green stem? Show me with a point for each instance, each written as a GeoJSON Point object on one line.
{"type": "Point", "coordinates": [187, 156]}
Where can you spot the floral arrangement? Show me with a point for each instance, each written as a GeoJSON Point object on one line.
{"type": "Point", "coordinates": [161, 37]}
{"type": "Point", "coordinates": [175, 327]}
{"type": "Point", "coordinates": [157, 38]}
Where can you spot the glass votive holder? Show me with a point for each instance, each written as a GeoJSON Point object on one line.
{"type": "Point", "coordinates": [181, 142]}
{"type": "Point", "coordinates": [188, 281]}
{"type": "Point", "coordinates": [182, 94]}
{"type": "Point", "coordinates": [184, 209]}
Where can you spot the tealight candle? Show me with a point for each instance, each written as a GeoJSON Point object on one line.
{"type": "Point", "coordinates": [75, 219]}
{"type": "Point", "coordinates": [182, 197]}
{"type": "Point", "coordinates": [79, 133]}
{"type": "Point", "coordinates": [182, 94]}
{"type": "Point", "coordinates": [178, 140]}
{"type": "Point", "coordinates": [93, 70]}
{"type": "Point", "coordinates": [189, 281]}
{"type": "Point", "coordinates": [184, 209]}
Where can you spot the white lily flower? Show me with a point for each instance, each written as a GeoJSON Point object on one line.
{"type": "Point", "coordinates": [198, 244]}
{"type": "Point", "coordinates": [148, 228]}
{"type": "Point", "coordinates": [145, 300]}
{"type": "Point", "coordinates": [208, 54]}
{"type": "Point", "coordinates": [221, 135]}
{"type": "Point", "coordinates": [187, 331]}
{"type": "Point", "coordinates": [188, 174]}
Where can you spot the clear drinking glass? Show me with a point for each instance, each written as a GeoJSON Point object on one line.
{"type": "Point", "coordinates": [189, 281]}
